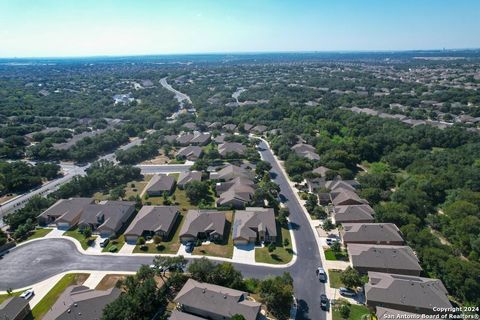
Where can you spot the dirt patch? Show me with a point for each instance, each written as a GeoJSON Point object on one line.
{"type": "Point", "coordinates": [160, 159]}
{"type": "Point", "coordinates": [109, 281]}
{"type": "Point", "coordinates": [6, 198]}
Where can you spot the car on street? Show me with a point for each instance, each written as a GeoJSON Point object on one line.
{"type": "Point", "coordinates": [347, 292]}
{"type": "Point", "coordinates": [323, 302]}
{"type": "Point", "coordinates": [27, 294]}
{"type": "Point", "coordinates": [322, 275]}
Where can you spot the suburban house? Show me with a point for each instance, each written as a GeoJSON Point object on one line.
{"type": "Point", "coordinates": [200, 139]}
{"type": "Point", "coordinates": [80, 302]}
{"type": "Point", "coordinates": [353, 214]}
{"type": "Point", "coordinates": [152, 220]}
{"type": "Point", "coordinates": [405, 293]}
{"type": "Point", "coordinates": [15, 308]}
{"type": "Point", "coordinates": [227, 148]}
{"type": "Point", "coordinates": [189, 125]}
{"type": "Point", "coordinates": [203, 225]}
{"type": "Point", "coordinates": [254, 224]}
{"type": "Point", "coordinates": [159, 184]}
{"type": "Point", "coordinates": [371, 233]}
{"type": "Point", "coordinates": [189, 176]}
{"type": "Point", "coordinates": [230, 172]}
{"type": "Point", "coordinates": [191, 153]}
{"type": "Point", "coordinates": [209, 301]}
{"type": "Point", "coordinates": [247, 127]}
{"type": "Point", "coordinates": [321, 171]}
{"type": "Point", "coordinates": [184, 139]}
{"type": "Point", "coordinates": [229, 127]}
{"type": "Point", "coordinates": [306, 151]}
{"type": "Point", "coordinates": [259, 129]}
{"type": "Point", "coordinates": [105, 218]}
{"type": "Point", "coordinates": [343, 196]}
{"type": "Point", "coordinates": [388, 259]}
{"type": "Point", "coordinates": [236, 193]}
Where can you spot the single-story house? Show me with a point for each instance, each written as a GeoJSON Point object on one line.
{"type": "Point", "coordinates": [227, 148]}
{"type": "Point", "coordinates": [215, 302]}
{"type": "Point", "coordinates": [254, 224]}
{"type": "Point", "coordinates": [371, 233]}
{"type": "Point", "coordinates": [306, 151]}
{"type": "Point", "coordinates": [200, 139]}
{"type": "Point", "coordinates": [105, 218]}
{"type": "Point", "coordinates": [384, 258]}
{"type": "Point", "coordinates": [230, 172]}
{"type": "Point", "coordinates": [189, 176]}
{"type": "Point", "coordinates": [204, 225]}
{"type": "Point", "coordinates": [353, 214]}
{"type": "Point", "coordinates": [259, 129]}
{"type": "Point", "coordinates": [152, 220]}
{"type": "Point", "coordinates": [191, 153]}
{"type": "Point", "coordinates": [81, 302]}
{"type": "Point", "coordinates": [342, 197]}
{"type": "Point", "coordinates": [15, 308]}
{"type": "Point", "coordinates": [184, 139]}
{"type": "Point", "coordinates": [405, 293]}
{"type": "Point", "coordinates": [229, 127]}
{"type": "Point", "coordinates": [159, 184]}
{"type": "Point", "coordinates": [236, 193]}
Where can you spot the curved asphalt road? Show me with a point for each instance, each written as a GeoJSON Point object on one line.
{"type": "Point", "coordinates": [39, 260]}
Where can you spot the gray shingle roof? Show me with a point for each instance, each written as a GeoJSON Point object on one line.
{"type": "Point", "coordinates": [371, 232]}
{"type": "Point", "coordinates": [190, 151]}
{"type": "Point", "coordinates": [403, 290]}
{"type": "Point", "coordinates": [66, 207]}
{"type": "Point", "coordinates": [160, 182]}
{"type": "Point", "coordinates": [306, 150]}
{"type": "Point", "coordinates": [353, 213]}
{"type": "Point", "coordinates": [12, 307]}
{"type": "Point", "coordinates": [383, 257]}
{"type": "Point", "coordinates": [81, 302]}
{"type": "Point", "coordinates": [387, 313]}
{"type": "Point", "coordinates": [197, 221]}
{"type": "Point", "coordinates": [179, 315]}
{"type": "Point", "coordinates": [153, 218]}
{"type": "Point", "coordinates": [218, 300]}
{"type": "Point", "coordinates": [231, 147]}
{"type": "Point", "coordinates": [186, 177]}
{"type": "Point", "coordinates": [247, 221]}
{"type": "Point", "coordinates": [230, 172]}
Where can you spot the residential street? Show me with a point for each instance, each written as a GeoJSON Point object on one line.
{"type": "Point", "coordinates": [38, 260]}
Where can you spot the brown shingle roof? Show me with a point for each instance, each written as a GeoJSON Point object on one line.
{"type": "Point", "coordinates": [252, 220]}
{"type": "Point", "coordinates": [371, 232]}
{"type": "Point", "coordinates": [209, 221]}
{"type": "Point", "coordinates": [153, 218]}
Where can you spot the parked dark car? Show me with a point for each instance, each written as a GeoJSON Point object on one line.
{"type": "Point", "coordinates": [324, 302]}
{"type": "Point", "coordinates": [189, 247]}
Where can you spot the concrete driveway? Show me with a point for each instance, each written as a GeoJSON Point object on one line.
{"type": "Point", "coordinates": [244, 253]}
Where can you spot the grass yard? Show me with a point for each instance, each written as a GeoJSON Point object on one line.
{"type": "Point", "coordinates": [39, 233]}
{"type": "Point", "coordinates": [115, 243]}
{"type": "Point", "coordinates": [332, 255]}
{"type": "Point", "coordinates": [4, 297]}
{"type": "Point", "coordinates": [109, 281]}
{"type": "Point", "coordinates": [75, 233]}
{"type": "Point", "coordinates": [334, 278]}
{"type": "Point", "coordinates": [281, 255]}
{"type": "Point", "coordinates": [224, 249]}
{"type": "Point", "coordinates": [357, 312]}
{"type": "Point", "coordinates": [170, 246]}
{"type": "Point", "coordinates": [135, 188]}
{"type": "Point", "coordinates": [47, 302]}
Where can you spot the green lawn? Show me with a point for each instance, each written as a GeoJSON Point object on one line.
{"type": "Point", "coordinates": [334, 278]}
{"type": "Point", "coordinates": [281, 255]}
{"type": "Point", "coordinates": [118, 243]}
{"type": "Point", "coordinates": [75, 233]}
{"type": "Point", "coordinates": [47, 302]}
{"type": "Point", "coordinates": [170, 246]}
{"type": "Point", "coordinates": [331, 255]}
{"type": "Point", "coordinates": [357, 312]}
{"type": "Point", "coordinates": [4, 297]}
{"type": "Point", "coordinates": [39, 233]}
{"type": "Point", "coordinates": [224, 249]}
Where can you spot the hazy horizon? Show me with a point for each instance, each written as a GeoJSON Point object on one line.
{"type": "Point", "coordinates": [55, 28]}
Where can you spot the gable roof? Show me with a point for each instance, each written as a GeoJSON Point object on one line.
{"type": "Point", "coordinates": [371, 232]}
{"type": "Point", "coordinates": [230, 172]}
{"type": "Point", "coordinates": [112, 213]}
{"type": "Point", "coordinates": [341, 195]}
{"type": "Point", "coordinates": [160, 182]}
{"type": "Point", "coordinates": [179, 315]}
{"type": "Point", "coordinates": [384, 256]}
{"type": "Point", "coordinates": [197, 221]}
{"type": "Point", "coordinates": [218, 300]}
{"type": "Point", "coordinates": [195, 151]}
{"type": "Point", "coordinates": [352, 213]}
{"type": "Point", "coordinates": [228, 147]}
{"type": "Point", "coordinates": [184, 138]}
{"type": "Point", "coordinates": [186, 177]}
{"type": "Point", "coordinates": [200, 137]}
{"type": "Point", "coordinates": [153, 218]}
{"type": "Point", "coordinates": [261, 219]}
{"type": "Point", "coordinates": [306, 150]}
{"type": "Point", "coordinates": [81, 301]}
{"type": "Point", "coordinates": [66, 207]}
{"type": "Point", "coordinates": [322, 171]}
{"type": "Point", "coordinates": [406, 290]}
{"type": "Point", "coordinates": [240, 188]}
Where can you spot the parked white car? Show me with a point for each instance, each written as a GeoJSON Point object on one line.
{"type": "Point", "coordinates": [27, 294]}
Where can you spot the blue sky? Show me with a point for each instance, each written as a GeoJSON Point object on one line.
{"type": "Point", "coordinates": [40, 28]}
